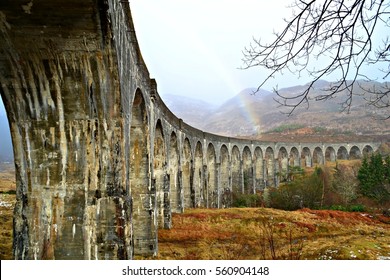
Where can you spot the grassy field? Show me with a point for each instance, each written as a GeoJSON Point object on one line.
{"type": "Point", "coordinates": [7, 202]}
{"type": "Point", "coordinates": [263, 233]}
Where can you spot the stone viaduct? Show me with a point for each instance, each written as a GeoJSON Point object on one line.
{"type": "Point", "coordinates": [101, 162]}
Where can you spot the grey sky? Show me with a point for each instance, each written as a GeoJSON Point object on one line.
{"type": "Point", "coordinates": [194, 47]}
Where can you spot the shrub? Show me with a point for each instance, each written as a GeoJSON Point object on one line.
{"type": "Point", "coordinates": [357, 208]}
{"type": "Point", "coordinates": [303, 192]}
{"type": "Point", "coordinates": [246, 200]}
{"type": "Point", "coordinates": [345, 184]}
{"type": "Point", "coordinates": [338, 207]}
{"type": "Point", "coordinates": [350, 208]}
{"type": "Point", "coordinates": [286, 128]}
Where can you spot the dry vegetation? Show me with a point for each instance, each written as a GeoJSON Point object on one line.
{"type": "Point", "coordinates": [264, 233]}
{"type": "Point", "coordinates": [316, 134]}
{"type": "Point", "coordinates": [7, 201]}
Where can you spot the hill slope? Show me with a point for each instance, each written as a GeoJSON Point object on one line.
{"type": "Point", "coordinates": [191, 110]}
{"type": "Point", "coordinates": [253, 114]}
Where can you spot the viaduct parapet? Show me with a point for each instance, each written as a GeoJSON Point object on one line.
{"type": "Point", "coordinates": [101, 162]}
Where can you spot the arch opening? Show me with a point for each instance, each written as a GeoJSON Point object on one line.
{"type": "Point", "coordinates": [236, 171]}
{"type": "Point", "coordinates": [318, 157]}
{"type": "Point", "coordinates": [367, 150]}
{"type": "Point", "coordinates": [259, 169]}
{"type": "Point", "coordinates": [188, 191]}
{"type": "Point", "coordinates": [161, 179]}
{"type": "Point", "coordinates": [330, 154]}
{"type": "Point", "coordinates": [294, 157]}
{"type": "Point", "coordinates": [175, 175]}
{"type": "Point", "coordinates": [355, 153]}
{"type": "Point", "coordinates": [342, 153]}
{"type": "Point", "coordinates": [198, 175]}
{"type": "Point", "coordinates": [211, 190]}
{"type": "Point", "coordinates": [247, 171]}
{"type": "Point", "coordinates": [7, 184]}
{"type": "Point", "coordinates": [270, 167]}
{"type": "Point", "coordinates": [283, 166]}
{"type": "Point", "coordinates": [225, 186]}
{"type": "Point", "coordinates": [306, 159]}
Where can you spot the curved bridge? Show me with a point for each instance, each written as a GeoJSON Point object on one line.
{"type": "Point", "coordinates": [101, 162]}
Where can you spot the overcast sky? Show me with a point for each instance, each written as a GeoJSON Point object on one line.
{"type": "Point", "coordinates": [194, 48]}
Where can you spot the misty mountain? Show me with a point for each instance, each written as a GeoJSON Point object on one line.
{"type": "Point", "coordinates": [252, 113]}
{"type": "Point", "coordinates": [240, 115]}
{"type": "Point", "coordinates": [191, 110]}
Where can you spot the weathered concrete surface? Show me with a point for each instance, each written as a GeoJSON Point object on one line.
{"type": "Point", "coordinates": [68, 115]}
{"type": "Point", "coordinates": [101, 162]}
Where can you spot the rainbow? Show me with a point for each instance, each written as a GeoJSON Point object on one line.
{"type": "Point", "coordinates": [249, 111]}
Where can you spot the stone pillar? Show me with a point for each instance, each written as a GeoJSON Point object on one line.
{"type": "Point", "coordinates": [192, 186]}
{"type": "Point", "coordinates": [69, 141]}
{"type": "Point", "coordinates": [241, 176]}
{"type": "Point", "coordinates": [265, 175]}
{"type": "Point", "coordinates": [204, 187]}
{"type": "Point", "coordinates": [288, 171]}
{"type": "Point", "coordinates": [254, 176]}
{"type": "Point", "coordinates": [219, 190]}
{"type": "Point", "coordinates": [167, 211]}
{"type": "Point", "coordinates": [275, 172]}
{"type": "Point", "coordinates": [230, 185]}
{"type": "Point", "coordinates": [181, 205]}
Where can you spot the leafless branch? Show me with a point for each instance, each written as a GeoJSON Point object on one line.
{"type": "Point", "coordinates": [344, 32]}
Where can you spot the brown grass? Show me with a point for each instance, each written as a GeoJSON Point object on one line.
{"type": "Point", "coordinates": [244, 233]}
{"type": "Point", "coordinates": [7, 202]}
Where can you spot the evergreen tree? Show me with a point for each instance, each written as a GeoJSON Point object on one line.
{"type": "Point", "coordinates": [365, 177]}
{"type": "Point", "coordinates": [387, 170]}
{"type": "Point", "coordinates": [374, 177]}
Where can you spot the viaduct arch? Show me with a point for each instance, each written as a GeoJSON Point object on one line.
{"type": "Point", "coordinates": [101, 162]}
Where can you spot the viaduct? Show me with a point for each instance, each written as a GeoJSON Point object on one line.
{"type": "Point", "coordinates": [101, 162]}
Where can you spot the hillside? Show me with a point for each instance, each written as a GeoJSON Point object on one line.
{"type": "Point", "coordinates": [191, 110]}
{"type": "Point", "coordinates": [240, 115]}
{"type": "Point", "coordinates": [257, 114]}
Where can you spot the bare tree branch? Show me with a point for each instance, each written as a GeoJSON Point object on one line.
{"type": "Point", "coordinates": [343, 31]}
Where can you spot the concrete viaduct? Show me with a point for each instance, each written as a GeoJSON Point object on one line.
{"type": "Point", "coordinates": [101, 162]}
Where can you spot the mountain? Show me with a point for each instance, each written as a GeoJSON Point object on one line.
{"type": "Point", "coordinates": [191, 110]}
{"type": "Point", "coordinates": [256, 114]}
{"type": "Point", "coordinates": [240, 115]}
{"type": "Point", "coordinates": [360, 119]}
